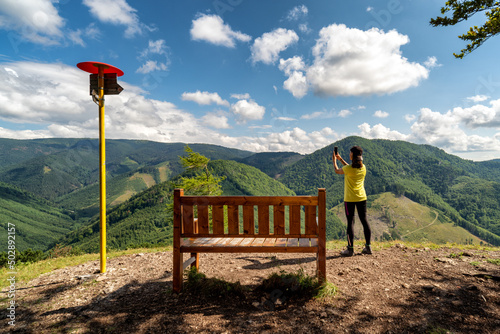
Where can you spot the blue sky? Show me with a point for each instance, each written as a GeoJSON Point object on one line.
{"type": "Point", "coordinates": [262, 76]}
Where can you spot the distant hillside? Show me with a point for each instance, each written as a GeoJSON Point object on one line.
{"type": "Point", "coordinates": [399, 218]}
{"type": "Point", "coordinates": [272, 163]}
{"type": "Point", "coordinates": [242, 179]}
{"type": "Point", "coordinates": [144, 218]}
{"type": "Point", "coordinates": [37, 223]}
{"type": "Point", "coordinates": [423, 173]}
{"type": "Point", "coordinates": [73, 164]}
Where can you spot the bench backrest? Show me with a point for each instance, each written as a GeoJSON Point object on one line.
{"type": "Point", "coordinates": [247, 216]}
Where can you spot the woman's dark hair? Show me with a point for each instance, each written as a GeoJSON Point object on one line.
{"type": "Point", "coordinates": [357, 156]}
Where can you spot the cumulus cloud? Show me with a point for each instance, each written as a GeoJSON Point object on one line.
{"type": "Point", "coordinates": [350, 62]}
{"type": "Point", "coordinates": [247, 110]}
{"type": "Point", "coordinates": [117, 12]}
{"type": "Point", "coordinates": [381, 114]}
{"type": "Point", "coordinates": [56, 98]}
{"type": "Point", "coordinates": [296, 140]}
{"type": "Point", "coordinates": [37, 21]}
{"type": "Point", "coordinates": [215, 120]}
{"type": "Point", "coordinates": [204, 98]}
{"type": "Point", "coordinates": [268, 47]}
{"type": "Point", "coordinates": [211, 28]}
{"type": "Point", "coordinates": [379, 131]}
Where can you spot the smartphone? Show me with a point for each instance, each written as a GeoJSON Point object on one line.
{"type": "Point", "coordinates": [335, 150]}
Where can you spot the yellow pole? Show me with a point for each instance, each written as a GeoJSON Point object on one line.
{"type": "Point", "coordinates": [102, 169]}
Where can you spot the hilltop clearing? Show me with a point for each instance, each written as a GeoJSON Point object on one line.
{"type": "Point", "coordinates": [398, 289]}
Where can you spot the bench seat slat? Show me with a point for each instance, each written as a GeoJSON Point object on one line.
{"type": "Point", "coordinates": [303, 242]}
{"type": "Point", "coordinates": [269, 242]}
{"type": "Point", "coordinates": [290, 244]}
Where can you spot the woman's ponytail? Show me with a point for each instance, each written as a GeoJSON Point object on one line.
{"type": "Point", "coordinates": [357, 157]}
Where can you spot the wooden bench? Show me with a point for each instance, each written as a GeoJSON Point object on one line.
{"type": "Point", "coordinates": [247, 224]}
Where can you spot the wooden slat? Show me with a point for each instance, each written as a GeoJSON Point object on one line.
{"type": "Point", "coordinates": [250, 249]}
{"type": "Point", "coordinates": [294, 219]}
{"type": "Point", "coordinates": [281, 242]}
{"type": "Point", "coordinates": [218, 219]}
{"type": "Point", "coordinates": [248, 220]}
{"type": "Point", "coordinates": [314, 242]}
{"type": "Point", "coordinates": [304, 242]}
{"type": "Point", "coordinates": [269, 242]}
{"type": "Point", "coordinates": [187, 218]}
{"type": "Point", "coordinates": [233, 220]}
{"type": "Point", "coordinates": [236, 241]}
{"type": "Point", "coordinates": [246, 241]}
{"type": "Point", "coordinates": [249, 200]}
{"type": "Point", "coordinates": [203, 225]}
{"type": "Point", "coordinates": [257, 242]}
{"type": "Point", "coordinates": [311, 224]}
{"type": "Point", "coordinates": [263, 219]}
{"type": "Point", "coordinates": [293, 242]}
{"type": "Point", "coordinates": [279, 219]}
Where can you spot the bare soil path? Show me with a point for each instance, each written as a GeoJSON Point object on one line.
{"type": "Point", "coordinates": [395, 290]}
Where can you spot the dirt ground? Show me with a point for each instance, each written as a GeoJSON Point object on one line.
{"type": "Point", "coordinates": [395, 290]}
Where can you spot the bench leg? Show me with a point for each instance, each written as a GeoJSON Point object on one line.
{"type": "Point", "coordinates": [321, 266]}
{"type": "Point", "coordinates": [177, 271]}
{"type": "Point", "coordinates": [196, 262]}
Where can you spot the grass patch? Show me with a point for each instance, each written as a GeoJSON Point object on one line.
{"type": "Point", "coordinates": [475, 263]}
{"type": "Point", "coordinates": [198, 284]}
{"type": "Point", "coordinates": [494, 261]}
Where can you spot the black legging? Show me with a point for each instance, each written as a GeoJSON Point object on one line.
{"type": "Point", "coordinates": [349, 212]}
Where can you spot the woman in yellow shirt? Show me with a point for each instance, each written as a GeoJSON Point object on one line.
{"type": "Point", "coordinates": [354, 196]}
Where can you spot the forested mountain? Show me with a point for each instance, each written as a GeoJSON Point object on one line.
{"type": "Point", "coordinates": [139, 176]}
{"type": "Point", "coordinates": [54, 168]}
{"type": "Point", "coordinates": [272, 163]}
{"type": "Point", "coordinates": [145, 218]}
{"type": "Point", "coordinates": [423, 173]}
{"type": "Point", "coordinates": [37, 222]}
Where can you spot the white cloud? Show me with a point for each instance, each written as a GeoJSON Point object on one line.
{"type": "Point", "coordinates": [151, 66]}
{"type": "Point", "coordinates": [478, 98]}
{"type": "Point", "coordinates": [350, 61]}
{"type": "Point", "coordinates": [381, 114]}
{"type": "Point", "coordinates": [379, 131]}
{"type": "Point", "coordinates": [303, 27]}
{"type": "Point", "coordinates": [37, 21]}
{"type": "Point", "coordinates": [268, 47]}
{"type": "Point", "coordinates": [319, 114]}
{"type": "Point", "coordinates": [245, 96]}
{"type": "Point", "coordinates": [247, 110]}
{"type": "Point", "coordinates": [205, 98]}
{"type": "Point", "coordinates": [296, 82]}
{"type": "Point", "coordinates": [344, 113]}
{"type": "Point", "coordinates": [117, 12]}
{"type": "Point", "coordinates": [410, 118]}
{"type": "Point", "coordinates": [211, 28]}
{"type": "Point", "coordinates": [296, 140]}
{"type": "Point", "coordinates": [431, 62]}
{"type": "Point", "coordinates": [154, 57]}
{"type": "Point", "coordinates": [56, 98]}
{"type": "Point", "coordinates": [215, 121]}
{"type": "Point", "coordinates": [297, 12]}
{"type": "Point", "coordinates": [291, 65]}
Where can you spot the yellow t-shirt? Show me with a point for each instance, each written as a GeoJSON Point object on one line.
{"type": "Point", "coordinates": [354, 184]}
